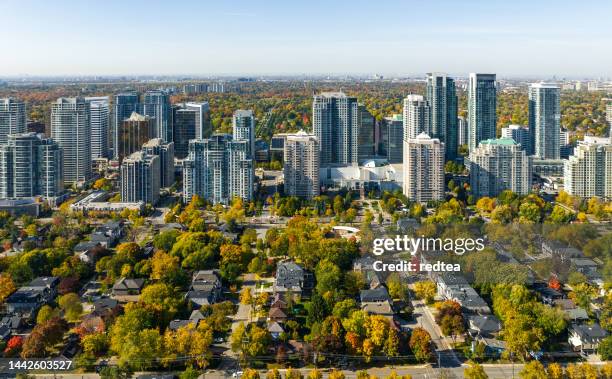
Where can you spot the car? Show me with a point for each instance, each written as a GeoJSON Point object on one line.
{"type": "Point", "coordinates": [219, 340]}
{"type": "Point", "coordinates": [237, 374]}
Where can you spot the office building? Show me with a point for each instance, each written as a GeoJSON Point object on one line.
{"type": "Point", "coordinates": [301, 168]}
{"type": "Point", "coordinates": [393, 142]}
{"type": "Point", "coordinates": [497, 165]}
{"type": "Point", "coordinates": [12, 118]}
{"type": "Point", "coordinates": [71, 129]}
{"type": "Point", "coordinates": [100, 121]}
{"type": "Point", "coordinates": [140, 179]}
{"type": "Point", "coordinates": [462, 131]}
{"type": "Point", "coordinates": [336, 126]}
{"type": "Point", "coordinates": [30, 166]}
{"type": "Point", "coordinates": [133, 133]}
{"type": "Point", "coordinates": [243, 128]}
{"type": "Point", "coordinates": [367, 125]}
{"type": "Point", "coordinates": [482, 104]}
{"type": "Point", "coordinates": [190, 121]}
{"type": "Point", "coordinates": [277, 147]}
{"type": "Point", "coordinates": [442, 99]}
{"type": "Point", "coordinates": [124, 104]}
{"type": "Point", "coordinates": [520, 134]}
{"type": "Point", "coordinates": [156, 104]}
{"type": "Point", "coordinates": [165, 152]}
{"type": "Point", "coordinates": [416, 116]}
{"type": "Point", "coordinates": [588, 172]}
{"type": "Point", "coordinates": [565, 145]}
{"type": "Point", "coordinates": [423, 168]}
{"type": "Point", "coordinates": [218, 169]}
{"type": "Point", "coordinates": [544, 120]}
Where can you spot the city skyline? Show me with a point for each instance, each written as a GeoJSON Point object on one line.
{"type": "Point", "coordinates": [296, 38]}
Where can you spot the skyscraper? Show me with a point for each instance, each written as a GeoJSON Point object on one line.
{"type": "Point", "coordinates": [462, 131]}
{"type": "Point", "coordinates": [544, 120]}
{"type": "Point", "coordinates": [157, 104]}
{"type": "Point", "coordinates": [165, 152]}
{"type": "Point", "coordinates": [190, 121]}
{"type": "Point", "coordinates": [71, 129]}
{"type": "Point", "coordinates": [30, 166]}
{"type": "Point", "coordinates": [12, 118]}
{"type": "Point", "coordinates": [416, 116]}
{"type": "Point", "coordinates": [423, 168]}
{"type": "Point", "coordinates": [243, 128]}
{"type": "Point", "coordinates": [482, 104]}
{"type": "Point", "coordinates": [336, 126]}
{"type": "Point", "coordinates": [367, 125]}
{"type": "Point", "coordinates": [497, 165]}
{"type": "Point", "coordinates": [301, 168]}
{"type": "Point", "coordinates": [123, 106]}
{"type": "Point", "coordinates": [520, 134]}
{"type": "Point", "coordinates": [588, 172]}
{"type": "Point", "coordinates": [133, 133]}
{"type": "Point", "coordinates": [442, 99]}
{"type": "Point", "coordinates": [140, 179]}
{"type": "Point", "coordinates": [609, 117]}
{"type": "Point", "coordinates": [218, 169]}
{"type": "Point", "coordinates": [393, 144]}
{"type": "Point", "coordinates": [100, 119]}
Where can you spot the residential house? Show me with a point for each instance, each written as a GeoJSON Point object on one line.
{"type": "Point", "coordinates": [278, 302]}
{"type": "Point", "coordinates": [85, 251]}
{"type": "Point", "coordinates": [290, 277]}
{"type": "Point", "coordinates": [275, 329]}
{"type": "Point", "coordinates": [548, 295]}
{"type": "Point", "coordinates": [560, 250]}
{"type": "Point", "coordinates": [586, 338]}
{"type": "Point", "coordinates": [177, 324]}
{"type": "Point", "coordinates": [27, 300]}
{"type": "Point", "coordinates": [128, 287]}
{"type": "Point", "coordinates": [483, 325]}
{"type": "Point", "coordinates": [277, 315]}
{"type": "Point", "coordinates": [108, 234]}
{"type": "Point", "coordinates": [586, 266]}
{"type": "Point", "coordinates": [205, 288]}
{"type": "Point", "coordinates": [375, 295]}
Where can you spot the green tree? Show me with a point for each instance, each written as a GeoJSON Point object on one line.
{"type": "Point", "coordinates": [474, 371]}
{"type": "Point", "coordinates": [71, 305]}
{"type": "Point", "coordinates": [425, 290]}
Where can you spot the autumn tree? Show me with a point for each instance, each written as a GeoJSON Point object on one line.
{"type": "Point", "coordinates": [425, 290]}
{"type": "Point", "coordinates": [533, 370]}
{"type": "Point", "coordinates": [7, 287]}
{"type": "Point", "coordinates": [71, 305]}
{"type": "Point", "coordinates": [420, 344]}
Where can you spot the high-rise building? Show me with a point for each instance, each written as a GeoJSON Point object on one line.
{"type": "Point", "coordinates": [190, 121]}
{"type": "Point", "coordinates": [544, 120]}
{"type": "Point", "coordinates": [609, 116]}
{"type": "Point", "coordinates": [140, 179]}
{"type": "Point", "coordinates": [588, 172]}
{"type": "Point", "coordinates": [133, 133]}
{"type": "Point", "coordinates": [416, 116]}
{"type": "Point", "coordinates": [424, 168]}
{"type": "Point", "coordinates": [462, 131]}
{"type": "Point", "coordinates": [218, 169]}
{"type": "Point", "coordinates": [165, 152]}
{"type": "Point", "coordinates": [30, 166]}
{"type": "Point", "coordinates": [393, 144]}
{"type": "Point", "coordinates": [565, 145]}
{"type": "Point", "coordinates": [124, 105]}
{"type": "Point", "coordinates": [301, 168]}
{"type": "Point", "coordinates": [243, 128]}
{"type": "Point", "coordinates": [497, 165]}
{"type": "Point", "coordinates": [157, 104]}
{"type": "Point", "coordinates": [100, 120]}
{"type": "Point", "coordinates": [336, 126]}
{"type": "Point", "coordinates": [12, 118]}
{"type": "Point", "coordinates": [367, 126]}
{"type": "Point", "coordinates": [482, 105]}
{"type": "Point", "coordinates": [520, 134]}
{"type": "Point", "coordinates": [442, 99]}
{"type": "Point", "coordinates": [71, 129]}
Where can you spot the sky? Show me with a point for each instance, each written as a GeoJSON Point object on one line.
{"type": "Point", "coordinates": [270, 37]}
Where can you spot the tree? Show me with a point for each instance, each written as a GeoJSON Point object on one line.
{"type": "Point", "coordinates": [420, 344]}
{"type": "Point", "coordinates": [189, 341]}
{"type": "Point", "coordinates": [46, 313]}
{"type": "Point", "coordinates": [533, 370]}
{"type": "Point", "coordinates": [397, 289]}
{"type": "Point", "coordinates": [605, 348]}
{"type": "Point", "coordinates": [250, 373]}
{"type": "Point", "coordinates": [43, 336]}
{"type": "Point", "coordinates": [425, 290]}
{"type": "Point", "coordinates": [554, 371]}
{"type": "Point", "coordinates": [560, 215]}
{"type": "Point", "coordinates": [293, 374]}
{"type": "Point", "coordinates": [246, 298]}
{"type": "Point", "coordinates": [474, 371]}
{"type": "Point", "coordinates": [335, 374]}
{"type": "Point", "coordinates": [13, 345]}
{"type": "Point", "coordinates": [70, 303]}
{"type": "Point", "coordinates": [273, 374]}
{"type": "Point", "coordinates": [165, 240]}
{"type": "Point", "coordinates": [502, 214]}
{"type": "Point", "coordinates": [7, 287]}
{"type": "Point", "coordinates": [328, 276]}
{"type": "Point", "coordinates": [314, 374]}
{"type": "Point", "coordinates": [163, 300]}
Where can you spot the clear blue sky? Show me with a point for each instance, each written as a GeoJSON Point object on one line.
{"type": "Point", "coordinates": [114, 37]}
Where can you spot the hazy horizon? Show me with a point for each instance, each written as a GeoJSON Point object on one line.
{"type": "Point", "coordinates": [522, 39]}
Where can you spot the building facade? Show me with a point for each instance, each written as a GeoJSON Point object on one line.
{"type": "Point", "coordinates": [498, 165]}
{"type": "Point", "coordinates": [482, 105]}
{"type": "Point", "coordinates": [135, 131]}
{"type": "Point", "coordinates": [71, 129]}
{"type": "Point", "coordinates": [243, 128]}
{"type": "Point", "coordinates": [156, 104]}
{"type": "Point", "coordinates": [367, 128]}
{"type": "Point", "coordinates": [124, 104]}
{"type": "Point", "coordinates": [12, 118]}
{"type": "Point", "coordinates": [544, 120]}
{"type": "Point", "coordinates": [462, 131]}
{"type": "Point", "coordinates": [423, 168]}
{"type": "Point", "coordinates": [442, 99]}
{"type": "Point", "coordinates": [416, 116]}
{"type": "Point", "coordinates": [520, 134]}
{"type": "Point", "coordinates": [301, 168]}
{"type": "Point", "coordinates": [30, 166]}
{"type": "Point", "coordinates": [336, 126]}
{"type": "Point", "coordinates": [393, 143]}
{"type": "Point", "coordinates": [588, 172]}
{"type": "Point", "coordinates": [100, 123]}
{"type": "Point", "coordinates": [165, 152]}
{"type": "Point", "coordinates": [190, 121]}
{"type": "Point", "coordinates": [140, 179]}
